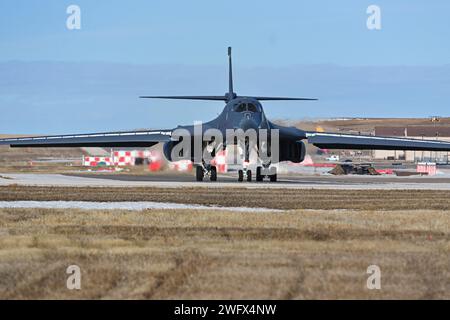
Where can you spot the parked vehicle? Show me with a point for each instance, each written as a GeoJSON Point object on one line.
{"type": "Point", "coordinates": [333, 157]}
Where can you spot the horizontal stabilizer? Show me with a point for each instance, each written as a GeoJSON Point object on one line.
{"type": "Point", "coordinates": [283, 99]}
{"type": "Point", "coordinates": [225, 98]}
{"type": "Point", "coordinates": [211, 98]}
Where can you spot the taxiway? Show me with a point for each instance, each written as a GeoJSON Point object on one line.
{"type": "Point", "coordinates": [177, 181]}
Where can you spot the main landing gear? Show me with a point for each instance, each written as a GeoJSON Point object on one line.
{"type": "Point", "coordinates": [246, 174]}
{"type": "Point", "coordinates": [260, 176]}
{"type": "Point", "coordinates": [201, 171]}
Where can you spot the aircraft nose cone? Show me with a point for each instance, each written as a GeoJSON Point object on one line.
{"type": "Point", "coordinates": [246, 124]}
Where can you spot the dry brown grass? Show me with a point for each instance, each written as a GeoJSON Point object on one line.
{"type": "Point", "coordinates": [8, 154]}
{"type": "Point", "coordinates": [185, 254]}
{"type": "Point", "coordinates": [367, 124]}
{"type": "Point", "coordinates": [19, 159]}
{"type": "Point", "coordinates": [231, 196]}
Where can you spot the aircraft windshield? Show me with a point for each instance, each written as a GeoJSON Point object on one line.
{"type": "Point", "coordinates": [251, 107]}
{"type": "Point", "coordinates": [242, 107]}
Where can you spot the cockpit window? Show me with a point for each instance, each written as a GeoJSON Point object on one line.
{"type": "Point", "coordinates": [251, 107]}
{"type": "Point", "coordinates": [241, 107]}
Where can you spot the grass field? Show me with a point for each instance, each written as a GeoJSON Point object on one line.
{"type": "Point", "coordinates": [287, 199]}
{"type": "Point", "coordinates": [189, 254]}
{"type": "Point", "coordinates": [318, 253]}
{"type": "Point", "coordinates": [18, 160]}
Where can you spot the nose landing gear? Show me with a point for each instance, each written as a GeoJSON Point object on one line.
{"type": "Point", "coordinates": [245, 173]}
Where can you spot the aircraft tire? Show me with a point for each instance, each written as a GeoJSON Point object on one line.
{"type": "Point", "coordinates": [199, 173]}
{"type": "Point", "coordinates": [249, 175]}
{"type": "Point", "coordinates": [240, 175]}
{"type": "Point", "coordinates": [259, 176]}
{"type": "Point", "coordinates": [213, 173]}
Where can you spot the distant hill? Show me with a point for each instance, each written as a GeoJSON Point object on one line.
{"type": "Point", "coordinates": [72, 97]}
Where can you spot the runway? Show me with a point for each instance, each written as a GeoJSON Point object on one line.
{"type": "Point", "coordinates": [177, 181]}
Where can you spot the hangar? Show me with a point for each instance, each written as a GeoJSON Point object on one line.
{"type": "Point", "coordinates": [441, 133]}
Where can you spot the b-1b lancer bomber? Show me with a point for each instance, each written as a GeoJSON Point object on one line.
{"type": "Point", "coordinates": [243, 113]}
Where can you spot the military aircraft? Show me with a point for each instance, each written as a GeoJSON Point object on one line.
{"type": "Point", "coordinates": [240, 112]}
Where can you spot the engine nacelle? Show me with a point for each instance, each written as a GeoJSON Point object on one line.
{"type": "Point", "coordinates": [183, 154]}
{"type": "Point", "coordinates": [167, 149]}
{"type": "Point", "coordinates": [293, 151]}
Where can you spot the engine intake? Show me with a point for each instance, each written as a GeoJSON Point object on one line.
{"type": "Point", "coordinates": [293, 151]}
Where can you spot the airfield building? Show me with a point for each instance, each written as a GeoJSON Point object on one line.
{"type": "Point", "coordinates": [416, 132]}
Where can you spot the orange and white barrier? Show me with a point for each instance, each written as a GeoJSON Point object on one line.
{"type": "Point", "coordinates": [118, 158]}
{"type": "Point", "coordinates": [95, 161]}
{"type": "Point", "coordinates": [155, 162]}
{"type": "Point", "coordinates": [123, 158]}
{"type": "Point", "coordinates": [427, 167]}
{"type": "Point", "coordinates": [182, 165]}
{"type": "Point", "coordinates": [220, 161]}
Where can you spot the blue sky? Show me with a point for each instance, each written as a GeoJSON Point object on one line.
{"type": "Point", "coordinates": [298, 48]}
{"type": "Point", "coordinates": [267, 33]}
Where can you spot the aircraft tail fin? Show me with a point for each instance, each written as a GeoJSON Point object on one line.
{"type": "Point", "coordinates": [229, 95]}
{"type": "Point", "coordinates": [226, 97]}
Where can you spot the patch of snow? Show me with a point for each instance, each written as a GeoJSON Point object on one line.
{"type": "Point", "coordinates": [134, 206]}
